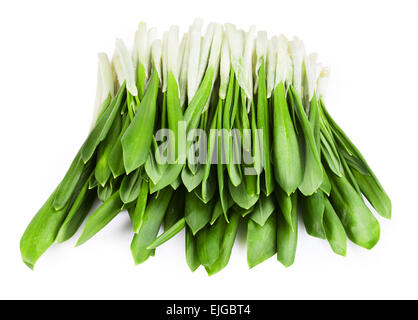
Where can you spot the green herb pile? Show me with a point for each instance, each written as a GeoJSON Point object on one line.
{"type": "Point", "coordinates": [260, 96]}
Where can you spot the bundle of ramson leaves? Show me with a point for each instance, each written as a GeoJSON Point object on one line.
{"type": "Point", "coordinates": [207, 133]}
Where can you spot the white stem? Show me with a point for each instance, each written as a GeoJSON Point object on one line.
{"type": "Point", "coordinates": [248, 63]}
{"type": "Point", "coordinates": [322, 82]}
{"type": "Point", "coordinates": [313, 70]}
{"type": "Point", "coordinates": [164, 59]}
{"type": "Point", "coordinates": [151, 37]}
{"type": "Point", "coordinates": [215, 55]}
{"type": "Point", "coordinates": [105, 84]}
{"type": "Point", "coordinates": [193, 57]}
{"type": "Point", "coordinates": [236, 45]}
{"type": "Point", "coordinates": [107, 76]}
{"type": "Point", "coordinates": [297, 52]}
{"type": "Point", "coordinates": [156, 53]}
{"type": "Point", "coordinates": [284, 71]}
{"type": "Point", "coordinates": [184, 57]}
{"type": "Point", "coordinates": [261, 51]}
{"type": "Point", "coordinates": [124, 67]}
{"type": "Point", "coordinates": [204, 52]}
{"type": "Point", "coordinates": [193, 64]}
{"type": "Point", "coordinates": [173, 52]}
{"type": "Point", "coordinates": [271, 67]}
{"type": "Point", "coordinates": [197, 25]}
{"type": "Point", "coordinates": [215, 50]}
{"type": "Point", "coordinates": [225, 68]}
{"type": "Point", "coordinates": [141, 47]}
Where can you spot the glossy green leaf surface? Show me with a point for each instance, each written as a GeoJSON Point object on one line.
{"type": "Point", "coordinates": [78, 212]}
{"type": "Point", "coordinates": [197, 213]}
{"type": "Point", "coordinates": [101, 217]}
{"type": "Point", "coordinates": [288, 167]}
{"type": "Point", "coordinates": [313, 212]}
{"type": "Point", "coordinates": [136, 141]}
{"type": "Point", "coordinates": [41, 232]}
{"type": "Point", "coordinates": [103, 125]}
{"type": "Point", "coordinates": [153, 218]}
{"type": "Point", "coordinates": [261, 241]}
{"type": "Point", "coordinates": [287, 237]}
{"type": "Point", "coordinates": [359, 223]}
{"type": "Point", "coordinates": [263, 209]}
{"type": "Point", "coordinates": [312, 169]}
{"type": "Point", "coordinates": [334, 230]}
{"type": "Point", "coordinates": [226, 245]}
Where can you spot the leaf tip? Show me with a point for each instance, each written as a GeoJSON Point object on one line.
{"type": "Point", "coordinates": [29, 265]}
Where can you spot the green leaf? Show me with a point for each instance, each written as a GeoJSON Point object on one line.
{"type": "Point", "coordinates": [354, 162]}
{"type": "Point", "coordinates": [361, 164]}
{"type": "Point", "coordinates": [359, 223]}
{"type": "Point", "coordinates": [223, 191]}
{"type": "Point", "coordinates": [78, 212]}
{"type": "Point", "coordinates": [140, 80]}
{"type": "Point", "coordinates": [240, 196]}
{"type": "Point", "coordinates": [313, 212]}
{"type": "Point", "coordinates": [231, 143]}
{"type": "Point", "coordinates": [101, 217]}
{"type": "Point", "coordinates": [168, 177]}
{"type": "Point", "coordinates": [261, 241]}
{"type": "Point", "coordinates": [152, 168]}
{"type": "Point", "coordinates": [314, 121]}
{"type": "Point", "coordinates": [175, 209]}
{"type": "Point", "coordinates": [137, 139]}
{"type": "Point", "coordinates": [334, 230]}
{"type": "Point", "coordinates": [263, 124]}
{"type": "Point", "coordinates": [175, 116]}
{"type": "Point", "coordinates": [329, 149]}
{"type": "Point", "coordinates": [263, 209]}
{"type": "Point", "coordinates": [192, 257]}
{"type": "Point", "coordinates": [103, 124]}
{"type": "Point", "coordinates": [209, 242]}
{"type": "Point", "coordinates": [206, 192]}
{"type": "Point", "coordinates": [131, 186]}
{"type": "Point", "coordinates": [257, 165]}
{"type": "Point", "coordinates": [242, 212]}
{"type": "Point", "coordinates": [287, 237]}
{"type": "Point", "coordinates": [115, 160]}
{"type": "Point", "coordinates": [374, 194]}
{"type": "Point", "coordinates": [326, 185]}
{"type": "Point", "coordinates": [226, 245]}
{"type": "Point", "coordinates": [287, 161]}
{"type": "Point", "coordinates": [331, 157]}
{"type": "Point", "coordinates": [153, 218]}
{"type": "Point", "coordinates": [68, 184]}
{"type": "Point", "coordinates": [200, 99]}
{"type": "Point", "coordinates": [312, 171]}
{"type": "Point", "coordinates": [249, 147]}
{"type": "Point", "coordinates": [93, 182]}
{"type": "Point", "coordinates": [217, 211]}
{"type": "Point", "coordinates": [73, 190]}
{"type": "Point", "coordinates": [349, 175]}
{"type": "Point", "coordinates": [105, 192]}
{"type": "Point", "coordinates": [212, 146]}
{"type": "Point", "coordinates": [41, 232]}
{"type": "Point", "coordinates": [168, 234]}
{"type": "Point", "coordinates": [285, 203]}
{"type": "Point", "coordinates": [177, 183]}
{"type": "Point", "coordinates": [192, 181]}
{"type": "Point", "coordinates": [140, 206]}
{"type": "Point", "coordinates": [197, 213]}
{"type": "Point", "coordinates": [102, 171]}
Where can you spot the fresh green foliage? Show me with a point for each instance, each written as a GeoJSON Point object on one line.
{"type": "Point", "coordinates": [219, 131]}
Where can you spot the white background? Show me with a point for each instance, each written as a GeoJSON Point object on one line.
{"type": "Point", "coordinates": [47, 82]}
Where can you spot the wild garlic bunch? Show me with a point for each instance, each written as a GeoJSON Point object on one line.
{"type": "Point", "coordinates": [205, 131]}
